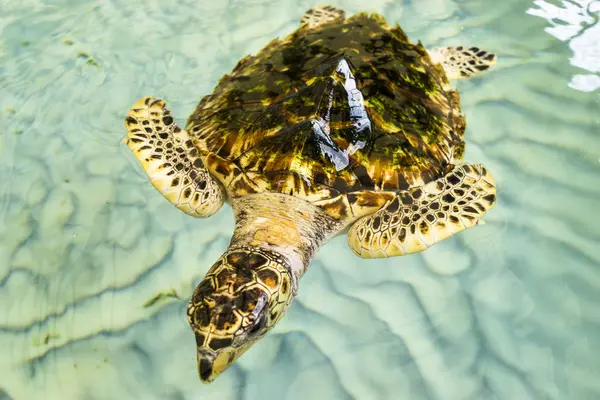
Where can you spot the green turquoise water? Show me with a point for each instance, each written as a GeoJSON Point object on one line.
{"type": "Point", "coordinates": [507, 310]}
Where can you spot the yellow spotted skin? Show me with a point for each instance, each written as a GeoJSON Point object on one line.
{"type": "Point", "coordinates": [418, 218]}
{"type": "Point", "coordinates": [241, 297]}
{"type": "Point", "coordinates": [461, 62]}
{"type": "Point", "coordinates": [170, 159]}
{"type": "Point", "coordinates": [318, 15]}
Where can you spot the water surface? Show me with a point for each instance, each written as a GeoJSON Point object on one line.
{"type": "Point", "coordinates": [96, 267]}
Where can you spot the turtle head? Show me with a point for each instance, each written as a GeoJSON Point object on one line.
{"type": "Point", "coordinates": [247, 291]}
{"type": "Point", "coordinates": [239, 300]}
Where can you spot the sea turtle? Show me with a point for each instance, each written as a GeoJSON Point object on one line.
{"type": "Point", "coordinates": [342, 126]}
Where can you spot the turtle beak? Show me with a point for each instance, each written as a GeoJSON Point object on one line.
{"type": "Point", "coordinates": [205, 367]}
{"type": "Point", "coordinates": [211, 363]}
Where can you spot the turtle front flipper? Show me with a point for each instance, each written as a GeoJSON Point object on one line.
{"type": "Point", "coordinates": [420, 217]}
{"type": "Point", "coordinates": [320, 15]}
{"type": "Point", "coordinates": [170, 159]}
{"type": "Point", "coordinates": [462, 62]}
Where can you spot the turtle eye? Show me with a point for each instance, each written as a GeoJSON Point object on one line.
{"type": "Point", "coordinates": [258, 325]}
{"type": "Point", "coordinates": [260, 315]}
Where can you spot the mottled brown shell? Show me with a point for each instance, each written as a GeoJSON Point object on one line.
{"type": "Point", "coordinates": [288, 120]}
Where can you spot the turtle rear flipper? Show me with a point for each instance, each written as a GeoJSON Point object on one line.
{"type": "Point", "coordinates": [462, 62]}
{"type": "Point", "coordinates": [418, 218]}
{"type": "Point", "coordinates": [320, 15]}
{"type": "Point", "coordinates": [170, 159]}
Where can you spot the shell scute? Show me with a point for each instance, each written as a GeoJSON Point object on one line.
{"type": "Point", "coordinates": [350, 106]}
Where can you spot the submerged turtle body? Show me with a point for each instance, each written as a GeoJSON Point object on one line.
{"type": "Point", "coordinates": [352, 106]}
{"type": "Point", "coordinates": [343, 123]}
